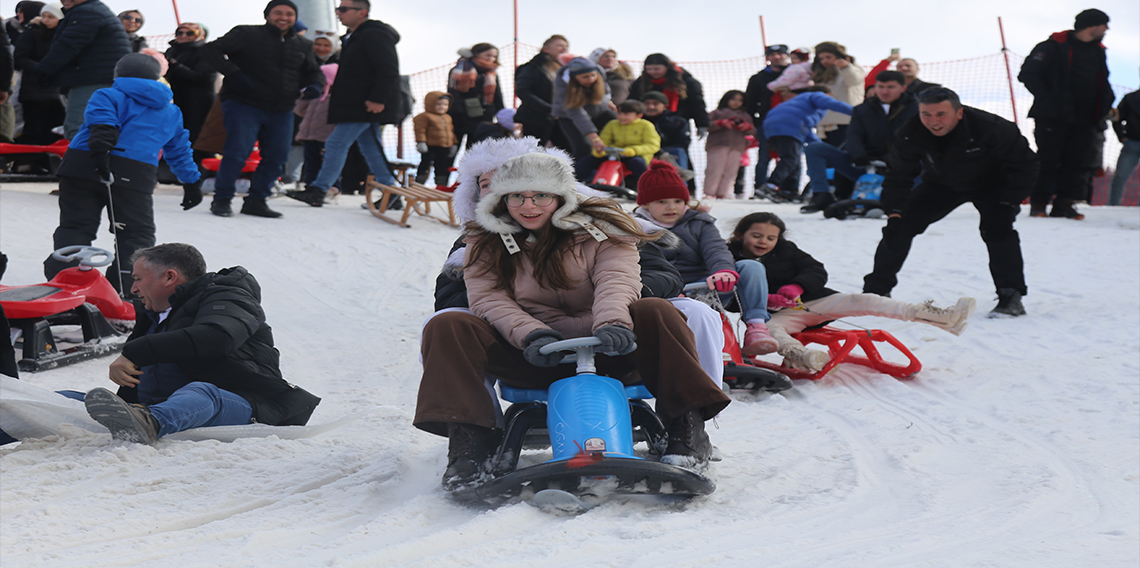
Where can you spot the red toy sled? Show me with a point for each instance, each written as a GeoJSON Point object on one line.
{"type": "Point", "coordinates": [251, 163]}
{"type": "Point", "coordinates": [841, 344]}
{"type": "Point", "coordinates": [78, 296]}
{"type": "Point", "coordinates": [58, 148]}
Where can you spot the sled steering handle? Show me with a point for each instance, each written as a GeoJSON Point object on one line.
{"type": "Point", "coordinates": [583, 352]}
{"type": "Point", "coordinates": [84, 254]}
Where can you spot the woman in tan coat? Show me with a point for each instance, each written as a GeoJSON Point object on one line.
{"type": "Point", "coordinates": [837, 70]}
{"type": "Point", "coordinates": [545, 263]}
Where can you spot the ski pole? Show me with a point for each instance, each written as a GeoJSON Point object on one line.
{"type": "Point", "coordinates": [108, 181]}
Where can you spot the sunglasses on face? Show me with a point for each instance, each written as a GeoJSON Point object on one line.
{"type": "Point", "coordinates": [346, 9]}
{"type": "Point", "coordinates": [188, 33]}
{"type": "Point", "coordinates": [539, 199]}
{"type": "Point", "coordinates": [132, 19]}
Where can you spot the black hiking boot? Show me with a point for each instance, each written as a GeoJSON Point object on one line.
{"type": "Point", "coordinates": [129, 422]}
{"type": "Point", "coordinates": [469, 450]}
{"type": "Point", "coordinates": [689, 446]}
{"type": "Point", "coordinates": [258, 208]}
{"type": "Point", "coordinates": [1009, 304]}
{"type": "Point", "coordinates": [310, 195]}
{"type": "Point", "coordinates": [819, 202]}
{"type": "Point", "coordinates": [1064, 208]}
{"type": "Point", "coordinates": [221, 208]}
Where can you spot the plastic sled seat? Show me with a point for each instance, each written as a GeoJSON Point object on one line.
{"type": "Point", "coordinates": [250, 166]}
{"type": "Point", "coordinates": [841, 344]}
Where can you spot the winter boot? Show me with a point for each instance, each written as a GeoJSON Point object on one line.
{"type": "Point", "coordinates": [689, 446]}
{"type": "Point", "coordinates": [1037, 208]}
{"type": "Point", "coordinates": [221, 208]}
{"type": "Point", "coordinates": [129, 422]}
{"type": "Point", "coordinates": [805, 359]}
{"type": "Point", "coordinates": [1064, 208]}
{"type": "Point", "coordinates": [819, 201]}
{"type": "Point", "coordinates": [1009, 304]}
{"type": "Point", "coordinates": [469, 450]}
{"type": "Point", "coordinates": [258, 208]}
{"type": "Point", "coordinates": [310, 195]}
{"type": "Point", "coordinates": [757, 340]}
{"type": "Point", "coordinates": [952, 319]}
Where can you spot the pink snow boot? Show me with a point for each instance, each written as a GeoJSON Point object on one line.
{"type": "Point", "coordinates": [757, 340]}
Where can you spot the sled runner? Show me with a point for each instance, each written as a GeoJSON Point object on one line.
{"type": "Point", "coordinates": [78, 296]}
{"type": "Point", "coordinates": [840, 346]}
{"type": "Point", "coordinates": [592, 423]}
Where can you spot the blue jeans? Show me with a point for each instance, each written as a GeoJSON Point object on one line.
{"type": "Point", "coordinates": [820, 156]}
{"type": "Point", "coordinates": [753, 290]}
{"type": "Point", "coordinates": [367, 138]}
{"type": "Point", "coordinates": [246, 124]}
{"type": "Point", "coordinates": [200, 404]}
{"type": "Point", "coordinates": [1125, 164]}
{"type": "Point", "coordinates": [679, 153]}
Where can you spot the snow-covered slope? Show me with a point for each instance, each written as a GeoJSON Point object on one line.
{"type": "Point", "coordinates": [1017, 445]}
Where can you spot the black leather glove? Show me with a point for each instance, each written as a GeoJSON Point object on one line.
{"type": "Point", "coordinates": [240, 81]}
{"type": "Point", "coordinates": [616, 339]}
{"type": "Point", "coordinates": [534, 341]}
{"type": "Point", "coordinates": [311, 92]}
{"type": "Point", "coordinates": [191, 194]}
{"type": "Point", "coordinates": [102, 164]}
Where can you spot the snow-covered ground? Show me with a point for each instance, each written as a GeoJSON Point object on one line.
{"type": "Point", "coordinates": [1017, 445]}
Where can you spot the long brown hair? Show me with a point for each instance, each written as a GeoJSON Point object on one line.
{"type": "Point", "coordinates": [550, 247]}
{"type": "Point", "coordinates": [578, 95]}
{"type": "Point", "coordinates": [674, 80]}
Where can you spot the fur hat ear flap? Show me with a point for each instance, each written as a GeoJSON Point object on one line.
{"type": "Point", "coordinates": [465, 52]}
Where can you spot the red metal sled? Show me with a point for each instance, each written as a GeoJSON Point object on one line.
{"type": "Point", "coordinates": [59, 148]}
{"type": "Point", "coordinates": [841, 344]}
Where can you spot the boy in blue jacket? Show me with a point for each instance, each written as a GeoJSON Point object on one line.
{"type": "Point", "coordinates": [788, 127]}
{"type": "Point", "coordinates": [124, 129]}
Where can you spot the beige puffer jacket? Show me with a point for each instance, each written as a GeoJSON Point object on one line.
{"type": "Point", "coordinates": [609, 280]}
{"type": "Point", "coordinates": [848, 86]}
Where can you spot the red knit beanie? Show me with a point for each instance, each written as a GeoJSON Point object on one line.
{"type": "Point", "coordinates": [661, 182]}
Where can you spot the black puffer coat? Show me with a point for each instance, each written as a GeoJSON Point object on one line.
{"type": "Point", "coordinates": [787, 264]}
{"type": "Point", "coordinates": [984, 152]}
{"type": "Point", "coordinates": [88, 43]}
{"type": "Point", "coordinates": [871, 132]}
{"type": "Point", "coordinates": [216, 333]}
{"type": "Point", "coordinates": [278, 66]}
{"type": "Point", "coordinates": [369, 71]}
{"type": "Point", "coordinates": [535, 89]}
{"type": "Point", "coordinates": [1048, 74]}
{"type": "Point", "coordinates": [192, 81]}
{"type": "Point", "coordinates": [691, 107]}
{"type": "Point", "coordinates": [33, 45]}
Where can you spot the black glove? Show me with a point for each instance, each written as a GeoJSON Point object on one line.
{"type": "Point", "coordinates": [191, 194]}
{"type": "Point", "coordinates": [239, 81]}
{"type": "Point", "coordinates": [616, 339]}
{"type": "Point", "coordinates": [311, 92]}
{"type": "Point", "coordinates": [534, 341]}
{"type": "Point", "coordinates": [102, 165]}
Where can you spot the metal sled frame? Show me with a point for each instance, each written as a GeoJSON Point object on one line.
{"type": "Point", "coordinates": [841, 344]}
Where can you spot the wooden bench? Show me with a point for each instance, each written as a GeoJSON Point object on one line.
{"type": "Point", "coordinates": [417, 198]}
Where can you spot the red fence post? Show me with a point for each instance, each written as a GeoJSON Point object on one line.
{"type": "Point", "coordinates": [763, 36]}
{"type": "Point", "coordinates": [1008, 73]}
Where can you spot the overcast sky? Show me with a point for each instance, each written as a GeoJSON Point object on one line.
{"type": "Point", "coordinates": [926, 30]}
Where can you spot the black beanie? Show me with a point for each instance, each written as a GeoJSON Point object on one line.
{"type": "Point", "coordinates": [138, 65]}
{"type": "Point", "coordinates": [273, 3]}
{"type": "Point", "coordinates": [1089, 18]}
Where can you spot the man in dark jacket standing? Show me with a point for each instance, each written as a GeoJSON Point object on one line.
{"type": "Point", "coordinates": [964, 155]}
{"type": "Point", "coordinates": [267, 68]}
{"type": "Point", "coordinates": [759, 102]}
{"type": "Point", "coordinates": [534, 85]}
{"type": "Point", "coordinates": [88, 42]}
{"type": "Point", "coordinates": [1068, 76]}
{"type": "Point", "coordinates": [201, 354]}
{"type": "Point", "coordinates": [873, 126]}
{"type": "Point", "coordinates": [366, 95]}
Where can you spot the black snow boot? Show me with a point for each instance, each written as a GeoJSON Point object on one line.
{"type": "Point", "coordinates": [312, 196]}
{"type": "Point", "coordinates": [129, 422]}
{"type": "Point", "coordinates": [1009, 304]}
{"type": "Point", "coordinates": [469, 450]}
{"type": "Point", "coordinates": [221, 208]}
{"type": "Point", "coordinates": [689, 446]}
{"type": "Point", "coordinates": [819, 202]}
{"type": "Point", "coordinates": [1065, 208]}
{"type": "Point", "coordinates": [258, 208]}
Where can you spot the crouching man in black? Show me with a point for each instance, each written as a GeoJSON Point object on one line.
{"type": "Point", "coordinates": [964, 155]}
{"type": "Point", "coordinates": [201, 354]}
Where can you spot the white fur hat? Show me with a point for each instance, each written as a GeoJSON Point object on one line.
{"type": "Point", "coordinates": [530, 172]}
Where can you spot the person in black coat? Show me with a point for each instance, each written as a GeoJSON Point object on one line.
{"type": "Point", "coordinates": [365, 95]}
{"type": "Point", "coordinates": [191, 79]}
{"type": "Point", "coordinates": [43, 110]}
{"type": "Point", "coordinates": [209, 362]}
{"type": "Point", "coordinates": [534, 85]}
{"type": "Point", "coordinates": [758, 101]}
{"type": "Point", "coordinates": [963, 155]}
{"type": "Point", "coordinates": [684, 92]}
{"type": "Point", "coordinates": [88, 43]}
{"type": "Point", "coordinates": [7, 113]}
{"type": "Point", "coordinates": [266, 67]}
{"type": "Point", "coordinates": [1068, 76]}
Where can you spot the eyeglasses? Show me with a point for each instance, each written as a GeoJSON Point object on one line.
{"type": "Point", "coordinates": [131, 19]}
{"type": "Point", "coordinates": [539, 199]}
{"type": "Point", "coordinates": [346, 9]}
{"type": "Point", "coordinates": [188, 33]}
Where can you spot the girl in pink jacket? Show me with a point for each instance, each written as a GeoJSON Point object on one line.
{"type": "Point", "coordinates": [545, 263]}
